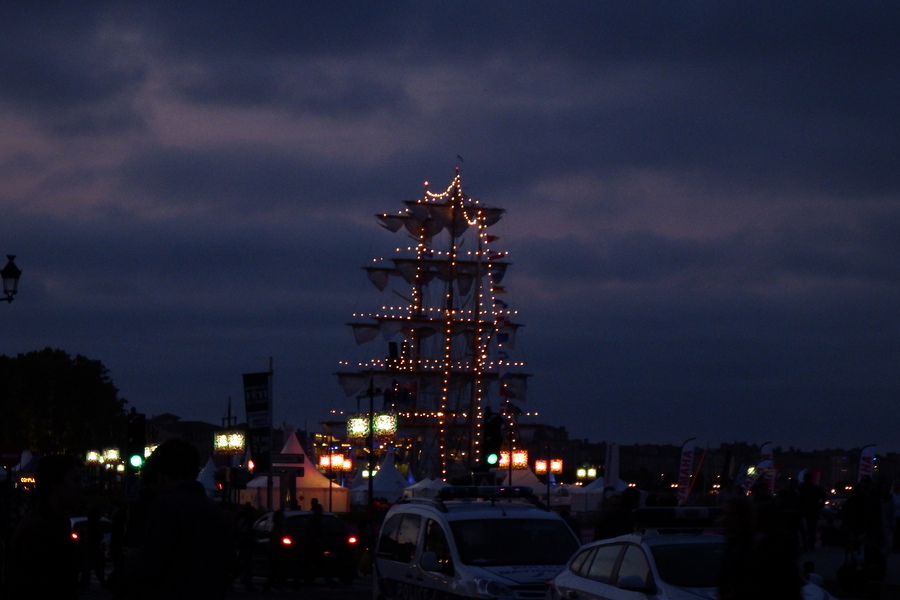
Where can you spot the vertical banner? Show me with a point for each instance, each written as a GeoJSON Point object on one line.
{"type": "Point", "coordinates": [685, 468]}
{"type": "Point", "coordinates": [754, 473]}
{"type": "Point", "coordinates": [258, 400]}
{"type": "Point", "coordinates": [866, 462]}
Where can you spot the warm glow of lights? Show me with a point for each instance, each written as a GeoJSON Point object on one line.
{"type": "Point", "coordinates": [586, 473]}
{"type": "Point", "coordinates": [450, 297]}
{"type": "Point", "coordinates": [357, 427]}
{"type": "Point", "coordinates": [540, 466]}
{"type": "Point", "coordinates": [335, 462]}
{"type": "Point", "coordinates": [520, 459]}
{"type": "Point", "coordinates": [384, 425]}
{"type": "Point", "coordinates": [229, 442]}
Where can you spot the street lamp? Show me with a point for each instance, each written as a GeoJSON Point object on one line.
{"type": "Point", "coordinates": [10, 274]}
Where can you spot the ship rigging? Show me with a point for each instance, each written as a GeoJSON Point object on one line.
{"type": "Point", "coordinates": [450, 342]}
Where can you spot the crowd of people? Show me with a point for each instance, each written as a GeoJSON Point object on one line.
{"type": "Point", "coordinates": [175, 540]}
{"type": "Point", "coordinates": [172, 541]}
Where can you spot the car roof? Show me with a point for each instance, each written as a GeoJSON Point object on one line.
{"type": "Point", "coordinates": [300, 513]}
{"type": "Point", "coordinates": [456, 510]}
{"type": "Point", "coordinates": [466, 502]}
{"type": "Point", "coordinates": [663, 539]}
{"type": "Point", "coordinates": [81, 519]}
{"type": "Point", "coordinates": [490, 510]}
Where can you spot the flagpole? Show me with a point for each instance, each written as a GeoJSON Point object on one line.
{"type": "Point", "coordinates": [370, 439]}
{"type": "Point", "coordinates": [269, 483]}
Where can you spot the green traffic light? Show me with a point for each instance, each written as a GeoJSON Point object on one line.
{"type": "Point", "coordinates": [492, 458]}
{"type": "Point", "coordinates": [136, 460]}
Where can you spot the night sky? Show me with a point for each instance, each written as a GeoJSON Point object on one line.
{"type": "Point", "coordinates": [702, 200]}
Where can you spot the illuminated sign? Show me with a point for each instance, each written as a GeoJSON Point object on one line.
{"type": "Point", "coordinates": [540, 466]}
{"type": "Point", "coordinates": [384, 425]}
{"type": "Point", "coordinates": [229, 442]}
{"type": "Point", "coordinates": [519, 461]}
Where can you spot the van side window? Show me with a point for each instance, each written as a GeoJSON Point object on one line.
{"type": "Point", "coordinates": [635, 565]}
{"type": "Point", "coordinates": [436, 541]}
{"type": "Point", "coordinates": [399, 536]}
{"type": "Point", "coordinates": [581, 562]}
{"type": "Point", "coordinates": [408, 537]}
{"type": "Point", "coordinates": [601, 567]}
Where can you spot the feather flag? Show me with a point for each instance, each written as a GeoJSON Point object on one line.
{"type": "Point", "coordinates": [866, 462]}
{"type": "Point", "coordinates": [685, 468]}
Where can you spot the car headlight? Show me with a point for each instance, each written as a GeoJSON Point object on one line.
{"type": "Point", "coordinates": [489, 588]}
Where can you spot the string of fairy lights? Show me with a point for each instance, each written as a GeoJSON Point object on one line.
{"type": "Point", "coordinates": [480, 324]}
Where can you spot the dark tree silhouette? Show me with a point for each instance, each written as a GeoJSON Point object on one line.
{"type": "Point", "coordinates": [51, 402]}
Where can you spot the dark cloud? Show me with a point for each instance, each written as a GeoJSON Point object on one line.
{"type": "Point", "coordinates": [701, 199]}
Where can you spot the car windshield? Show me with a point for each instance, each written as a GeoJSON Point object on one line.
{"type": "Point", "coordinates": [506, 541]}
{"type": "Point", "coordinates": [689, 565]}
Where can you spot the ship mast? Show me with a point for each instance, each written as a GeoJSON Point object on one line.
{"type": "Point", "coordinates": [454, 332]}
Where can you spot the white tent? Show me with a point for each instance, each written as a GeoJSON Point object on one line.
{"type": "Point", "coordinates": [26, 462]}
{"type": "Point", "coordinates": [523, 477]}
{"type": "Point", "coordinates": [388, 483]}
{"type": "Point", "coordinates": [313, 484]}
{"type": "Point", "coordinates": [589, 498]}
{"type": "Point", "coordinates": [207, 477]}
{"type": "Point", "coordinates": [427, 488]}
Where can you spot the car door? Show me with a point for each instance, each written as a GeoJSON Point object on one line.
{"type": "Point", "coordinates": [396, 573]}
{"type": "Point", "coordinates": [262, 531]}
{"type": "Point", "coordinates": [436, 561]}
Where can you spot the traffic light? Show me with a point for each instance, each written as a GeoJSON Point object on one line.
{"type": "Point", "coordinates": [492, 442]}
{"type": "Point", "coordinates": [135, 441]}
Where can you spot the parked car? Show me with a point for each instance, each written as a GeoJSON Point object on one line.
{"type": "Point", "coordinates": [337, 559]}
{"type": "Point", "coordinates": [80, 528]}
{"type": "Point", "coordinates": [471, 542]}
{"type": "Point", "coordinates": [653, 564]}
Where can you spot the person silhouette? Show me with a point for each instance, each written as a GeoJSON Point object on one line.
{"type": "Point", "coordinates": [760, 559]}
{"type": "Point", "coordinates": [187, 548]}
{"type": "Point", "coordinates": [43, 560]}
{"type": "Point", "coordinates": [94, 560]}
{"type": "Point", "coordinates": [277, 554]}
{"type": "Point", "coordinates": [246, 545]}
{"type": "Point", "coordinates": [315, 546]}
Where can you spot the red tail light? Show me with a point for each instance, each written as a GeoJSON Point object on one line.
{"type": "Point", "coordinates": [74, 536]}
{"type": "Point", "coordinates": [352, 539]}
{"type": "Point", "coordinates": [286, 541]}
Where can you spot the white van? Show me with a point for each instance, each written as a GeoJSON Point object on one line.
{"type": "Point", "coordinates": [472, 542]}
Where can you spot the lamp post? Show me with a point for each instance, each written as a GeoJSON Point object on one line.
{"type": "Point", "coordinates": [10, 274]}
{"type": "Point", "coordinates": [549, 467]}
{"type": "Point", "coordinates": [370, 439]}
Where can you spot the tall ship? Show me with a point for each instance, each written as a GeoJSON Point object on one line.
{"type": "Point", "coordinates": [444, 369]}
